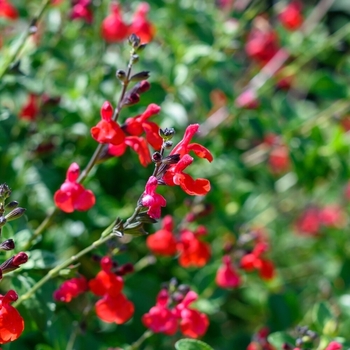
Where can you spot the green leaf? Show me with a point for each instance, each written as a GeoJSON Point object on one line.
{"type": "Point", "coordinates": [322, 315]}
{"type": "Point", "coordinates": [277, 339]}
{"type": "Point", "coordinates": [191, 344]}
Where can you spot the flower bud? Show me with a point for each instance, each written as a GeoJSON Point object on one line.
{"type": "Point", "coordinates": [134, 41]}
{"type": "Point", "coordinates": [124, 269]}
{"type": "Point", "coordinates": [2, 221]}
{"type": "Point", "coordinates": [183, 289]}
{"type": "Point", "coordinates": [156, 157]}
{"type": "Point", "coordinates": [173, 159]}
{"type": "Point", "coordinates": [121, 75]}
{"type": "Point", "coordinates": [141, 47]}
{"type": "Point", "coordinates": [15, 214]}
{"type": "Point", "coordinates": [140, 76]}
{"type": "Point", "coordinates": [167, 134]}
{"type": "Point", "coordinates": [142, 86]}
{"type": "Point", "coordinates": [178, 297]}
{"type": "Point", "coordinates": [5, 192]}
{"type": "Point", "coordinates": [20, 258]}
{"type": "Point", "coordinates": [9, 244]}
{"type": "Point", "coordinates": [131, 99]}
{"type": "Point", "coordinates": [12, 205]}
{"type": "Point", "coordinates": [168, 144]}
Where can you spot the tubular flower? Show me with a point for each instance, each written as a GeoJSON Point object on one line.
{"type": "Point", "coordinates": [30, 110]}
{"type": "Point", "coordinates": [140, 25]}
{"type": "Point", "coordinates": [151, 199]}
{"type": "Point", "coordinates": [107, 130]}
{"type": "Point", "coordinates": [71, 195]}
{"type": "Point", "coordinates": [163, 241]}
{"type": "Point", "coordinates": [70, 289]}
{"type": "Point", "coordinates": [227, 276]}
{"type": "Point", "coordinates": [175, 175]}
{"type": "Point", "coordinates": [113, 28]}
{"type": "Point", "coordinates": [11, 322]}
{"type": "Point", "coordinates": [193, 252]}
{"type": "Point", "coordinates": [7, 10]}
{"type": "Point", "coordinates": [291, 17]}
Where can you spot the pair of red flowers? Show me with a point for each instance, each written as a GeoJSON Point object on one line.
{"type": "Point", "coordinates": [192, 251]}
{"type": "Point", "coordinates": [162, 318]}
{"type": "Point", "coordinates": [113, 306]}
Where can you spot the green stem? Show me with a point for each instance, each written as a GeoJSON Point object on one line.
{"type": "Point", "coordinates": [53, 273]}
{"type": "Point", "coordinates": [138, 342]}
{"type": "Point", "coordinates": [13, 57]}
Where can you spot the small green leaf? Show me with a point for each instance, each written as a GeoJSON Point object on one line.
{"type": "Point", "coordinates": [277, 339]}
{"type": "Point", "coordinates": [322, 315]}
{"type": "Point", "coordinates": [192, 344]}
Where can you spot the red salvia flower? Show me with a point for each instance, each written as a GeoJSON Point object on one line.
{"type": "Point", "coordinates": [267, 269]}
{"type": "Point", "coordinates": [7, 10]}
{"type": "Point", "coordinates": [70, 289]}
{"type": "Point", "coordinates": [227, 276]}
{"type": "Point", "coordinates": [151, 199]}
{"type": "Point", "coordinates": [175, 175]}
{"type": "Point", "coordinates": [140, 25]}
{"type": "Point", "coordinates": [193, 252]}
{"type": "Point", "coordinates": [279, 161]}
{"type": "Point", "coordinates": [71, 195]}
{"type": "Point", "coordinates": [31, 109]}
{"type": "Point", "coordinates": [11, 322]}
{"type": "Point", "coordinates": [107, 130]}
{"type": "Point", "coordinates": [332, 216]}
{"type": "Point", "coordinates": [81, 10]}
{"type": "Point", "coordinates": [160, 319]}
{"type": "Point", "coordinates": [163, 241]}
{"type": "Point", "coordinates": [291, 17]}
{"type": "Point", "coordinates": [309, 222]}
{"type": "Point", "coordinates": [113, 28]}
{"type": "Point", "coordinates": [250, 262]}
{"type": "Point", "coordinates": [333, 345]}
{"type": "Point", "coordinates": [117, 309]}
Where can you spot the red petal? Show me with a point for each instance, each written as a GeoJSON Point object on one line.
{"type": "Point", "coordinates": [106, 111]}
{"type": "Point", "coordinates": [152, 135]}
{"type": "Point", "coordinates": [198, 187]}
{"type": "Point", "coordinates": [117, 151]}
{"type": "Point", "coordinates": [64, 201]}
{"type": "Point", "coordinates": [84, 201]}
{"type": "Point", "coordinates": [108, 132]}
{"type": "Point", "coordinates": [151, 110]}
{"type": "Point", "coordinates": [139, 145]}
{"type": "Point", "coordinates": [73, 172]}
{"type": "Point", "coordinates": [200, 151]}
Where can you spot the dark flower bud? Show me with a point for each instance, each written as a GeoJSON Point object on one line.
{"type": "Point", "coordinates": [156, 157]}
{"type": "Point", "coordinates": [299, 342]}
{"type": "Point", "coordinates": [141, 47]}
{"type": "Point", "coordinates": [173, 282]}
{"type": "Point", "coordinates": [20, 258]}
{"type": "Point", "coordinates": [167, 134]}
{"type": "Point", "coordinates": [9, 244]}
{"type": "Point", "coordinates": [168, 144]}
{"type": "Point", "coordinates": [2, 221]}
{"type": "Point", "coordinates": [131, 99]}
{"type": "Point", "coordinates": [11, 295]}
{"type": "Point", "coordinates": [313, 335]}
{"type": "Point", "coordinates": [135, 58]}
{"type": "Point", "coordinates": [134, 41]}
{"type": "Point", "coordinates": [12, 205]}
{"type": "Point", "coordinates": [177, 297]}
{"type": "Point", "coordinates": [286, 346]}
{"type": "Point", "coordinates": [183, 289]}
{"type": "Point", "coordinates": [124, 269]}
{"type": "Point", "coordinates": [15, 214]}
{"type": "Point", "coordinates": [121, 75]}
{"type": "Point", "coordinates": [142, 86]}
{"type": "Point", "coordinates": [173, 159]}
{"type": "Point", "coordinates": [140, 76]}
{"type": "Point", "coordinates": [5, 192]}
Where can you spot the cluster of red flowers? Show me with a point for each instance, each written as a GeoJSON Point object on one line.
{"type": "Point", "coordinates": [314, 218]}
{"type": "Point", "coordinates": [172, 310]}
{"type": "Point", "coordinates": [108, 284]}
{"type": "Point", "coordinates": [250, 259]}
{"type": "Point", "coordinates": [191, 249]}
{"type": "Point", "coordinates": [114, 29]}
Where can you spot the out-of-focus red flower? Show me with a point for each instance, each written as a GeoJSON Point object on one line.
{"type": "Point", "coordinates": [279, 161]}
{"type": "Point", "coordinates": [160, 319]}
{"type": "Point", "coordinates": [151, 199]}
{"type": "Point", "coordinates": [31, 109]}
{"type": "Point", "coordinates": [163, 241]}
{"type": "Point", "coordinates": [140, 24]}
{"type": "Point", "coordinates": [70, 289]}
{"type": "Point", "coordinates": [107, 130]}
{"type": "Point", "coordinates": [332, 216]}
{"type": "Point", "coordinates": [260, 341]}
{"type": "Point", "coordinates": [250, 262]}
{"type": "Point", "coordinates": [106, 282]}
{"type": "Point", "coordinates": [175, 175]}
{"type": "Point", "coordinates": [7, 10]}
{"type": "Point", "coordinates": [309, 222]}
{"type": "Point", "coordinates": [247, 99]}
{"type": "Point", "coordinates": [227, 276]}
{"type": "Point", "coordinates": [193, 252]}
{"type": "Point", "coordinates": [262, 42]}
{"type": "Point", "coordinates": [267, 269]}
{"type": "Point", "coordinates": [113, 28]}
{"type": "Point", "coordinates": [11, 322]}
{"type": "Point", "coordinates": [333, 345]}
{"type": "Point", "coordinates": [291, 17]}
{"type": "Point", "coordinates": [117, 309]}
{"type": "Point", "coordinates": [71, 195]}
{"type": "Point", "coordinates": [81, 10]}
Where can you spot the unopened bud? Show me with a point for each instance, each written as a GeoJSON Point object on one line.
{"type": "Point", "coordinates": [173, 159]}
{"type": "Point", "coordinates": [178, 297]}
{"type": "Point", "coordinates": [140, 76]}
{"type": "Point", "coordinates": [168, 144]}
{"type": "Point", "coordinates": [183, 289]}
{"type": "Point", "coordinates": [15, 214]}
{"type": "Point", "coordinates": [124, 269]}
{"type": "Point", "coordinates": [131, 99]}
{"type": "Point", "coordinates": [5, 192]}
{"type": "Point", "coordinates": [121, 75]}
{"type": "Point", "coordinates": [156, 157]}
{"type": "Point", "coordinates": [20, 258]}
{"type": "Point", "coordinates": [142, 86]}
{"type": "Point", "coordinates": [9, 244]}
{"type": "Point", "coordinates": [12, 205]}
{"type": "Point", "coordinates": [134, 41]}
{"type": "Point", "coordinates": [2, 221]}
{"type": "Point", "coordinates": [141, 47]}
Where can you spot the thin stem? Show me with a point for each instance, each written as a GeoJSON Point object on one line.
{"type": "Point", "coordinates": [53, 272]}
{"type": "Point", "coordinates": [138, 342]}
{"type": "Point", "coordinates": [13, 57]}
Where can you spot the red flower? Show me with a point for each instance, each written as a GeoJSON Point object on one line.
{"type": "Point", "coordinates": [193, 252]}
{"type": "Point", "coordinates": [30, 110]}
{"type": "Point", "coordinates": [152, 200]}
{"type": "Point", "coordinates": [309, 222]}
{"type": "Point", "coordinates": [113, 29]}
{"type": "Point", "coordinates": [247, 99]}
{"type": "Point", "coordinates": [11, 322]}
{"type": "Point", "coordinates": [291, 17]}
{"type": "Point", "coordinates": [71, 195]}
{"type": "Point", "coordinates": [333, 345]}
{"type": "Point", "coordinates": [116, 309]}
{"type": "Point", "coordinates": [193, 324]}
{"type": "Point", "coordinates": [106, 283]}
{"type": "Point", "coordinates": [140, 25]}
{"type": "Point", "coordinates": [250, 262]}
{"type": "Point", "coordinates": [279, 159]}
{"type": "Point", "coordinates": [7, 10]}
{"type": "Point", "coordinates": [163, 242]}
{"type": "Point", "coordinates": [267, 269]}
{"type": "Point", "coordinates": [107, 130]}
{"type": "Point", "coordinates": [70, 289]}
{"type": "Point", "coordinates": [175, 175]}
{"type": "Point", "coordinates": [227, 276]}
{"type": "Point", "coordinates": [81, 11]}
{"type": "Point", "coordinates": [332, 216]}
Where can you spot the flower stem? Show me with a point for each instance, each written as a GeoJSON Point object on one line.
{"type": "Point", "coordinates": [13, 57]}
{"type": "Point", "coordinates": [138, 342]}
